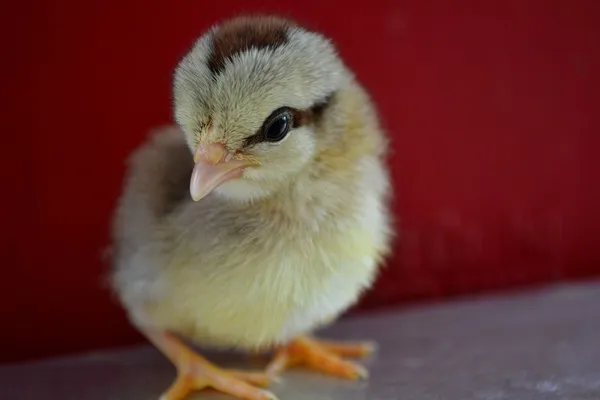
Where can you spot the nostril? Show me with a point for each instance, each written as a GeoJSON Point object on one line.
{"type": "Point", "coordinates": [211, 153]}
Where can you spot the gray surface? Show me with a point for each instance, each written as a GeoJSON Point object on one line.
{"type": "Point", "coordinates": [540, 346]}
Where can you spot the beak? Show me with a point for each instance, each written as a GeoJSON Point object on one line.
{"type": "Point", "coordinates": [214, 166]}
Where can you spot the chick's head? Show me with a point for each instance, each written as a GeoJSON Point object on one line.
{"type": "Point", "coordinates": [249, 97]}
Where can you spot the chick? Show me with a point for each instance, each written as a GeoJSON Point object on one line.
{"type": "Point", "coordinates": [262, 216]}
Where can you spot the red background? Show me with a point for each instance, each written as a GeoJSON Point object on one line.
{"type": "Point", "coordinates": [492, 105]}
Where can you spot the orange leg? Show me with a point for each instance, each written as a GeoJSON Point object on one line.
{"type": "Point", "coordinates": [196, 373]}
{"type": "Point", "coordinates": [323, 356]}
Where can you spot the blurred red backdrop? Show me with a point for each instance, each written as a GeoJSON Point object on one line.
{"type": "Point", "coordinates": [492, 105]}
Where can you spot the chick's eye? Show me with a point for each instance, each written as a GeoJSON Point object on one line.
{"type": "Point", "coordinates": [278, 126]}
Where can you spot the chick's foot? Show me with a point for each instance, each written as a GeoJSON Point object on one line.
{"type": "Point", "coordinates": [194, 373]}
{"type": "Point", "coordinates": [323, 356]}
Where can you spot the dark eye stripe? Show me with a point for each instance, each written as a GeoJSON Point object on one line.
{"type": "Point", "coordinates": [305, 117]}
{"type": "Point", "coordinates": [314, 114]}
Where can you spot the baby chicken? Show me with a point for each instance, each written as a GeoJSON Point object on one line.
{"type": "Point", "coordinates": [262, 216]}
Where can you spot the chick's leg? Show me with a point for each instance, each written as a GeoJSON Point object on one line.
{"type": "Point", "coordinates": [196, 373]}
{"type": "Point", "coordinates": [323, 356]}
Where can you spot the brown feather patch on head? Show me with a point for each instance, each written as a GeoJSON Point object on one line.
{"type": "Point", "coordinates": [243, 33]}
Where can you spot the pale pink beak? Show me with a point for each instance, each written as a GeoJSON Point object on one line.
{"type": "Point", "coordinates": [214, 166]}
